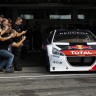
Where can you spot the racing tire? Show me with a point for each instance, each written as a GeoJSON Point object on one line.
{"type": "Point", "coordinates": [47, 64]}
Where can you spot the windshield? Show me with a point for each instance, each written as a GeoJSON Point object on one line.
{"type": "Point", "coordinates": [74, 37]}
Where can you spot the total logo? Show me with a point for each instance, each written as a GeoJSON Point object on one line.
{"type": "Point", "coordinates": [80, 52]}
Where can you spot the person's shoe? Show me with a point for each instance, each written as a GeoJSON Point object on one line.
{"type": "Point", "coordinates": [9, 71]}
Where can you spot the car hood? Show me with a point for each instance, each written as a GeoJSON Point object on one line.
{"type": "Point", "coordinates": [77, 49]}
{"type": "Point", "coordinates": [76, 46]}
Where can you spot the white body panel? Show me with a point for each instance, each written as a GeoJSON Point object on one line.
{"type": "Point", "coordinates": [60, 63]}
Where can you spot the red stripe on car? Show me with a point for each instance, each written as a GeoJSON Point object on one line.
{"type": "Point", "coordinates": [93, 68]}
{"type": "Point", "coordinates": [79, 52]}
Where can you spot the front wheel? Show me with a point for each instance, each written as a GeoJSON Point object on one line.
{"type": "Point", "coordinates": [45, 60]}
{"type": "Point", "coordinates": [47, 64]}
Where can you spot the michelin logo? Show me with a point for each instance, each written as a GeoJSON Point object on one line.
{"type": "Point", "coordinates": [57, 62]}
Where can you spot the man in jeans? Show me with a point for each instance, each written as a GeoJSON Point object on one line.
{"type": "Point", "coordinates": [8, 57]}
{"type": "Point", "coordinates": [7, 60]}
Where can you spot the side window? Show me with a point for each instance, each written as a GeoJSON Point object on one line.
{"type": "Point", "coordinates": [50, 37]}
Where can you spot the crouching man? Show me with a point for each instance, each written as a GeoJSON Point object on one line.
{"type": "Point", "coordinates": [5, 41]}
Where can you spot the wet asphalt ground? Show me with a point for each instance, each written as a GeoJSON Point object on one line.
{"type": "Point", "coordinates": [35, 81]}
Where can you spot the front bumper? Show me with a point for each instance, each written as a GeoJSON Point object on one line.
{"type": "Point", "coordinates": [61, 63]}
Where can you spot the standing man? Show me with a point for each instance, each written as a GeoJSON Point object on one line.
{"type": "Point", "coordinates": [17, 51]}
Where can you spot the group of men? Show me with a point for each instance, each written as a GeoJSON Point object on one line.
{"type": "Point", "coordinates": [11, 37]}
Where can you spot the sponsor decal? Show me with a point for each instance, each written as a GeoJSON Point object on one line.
{"type": "Point", "coordinates": [55, 56]}
{"type": "Point", "coordinates": [80, 52]}
{"type": "Point", "coordinates": [57, 62]}
{"type": "Point", "coordinates": [80, 47]}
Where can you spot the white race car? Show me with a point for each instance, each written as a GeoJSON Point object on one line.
{"type": "Point", "coordinates": [70, 50]}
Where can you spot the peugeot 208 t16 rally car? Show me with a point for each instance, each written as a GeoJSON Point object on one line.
{"type": "Point", "coordinates": [70, 50]}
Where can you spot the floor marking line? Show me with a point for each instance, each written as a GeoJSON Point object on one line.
{"type": "Point", "coordinates": [38, 76]}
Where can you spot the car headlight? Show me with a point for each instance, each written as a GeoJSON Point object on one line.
{"type": "Point", "coordinates": [57, 52]}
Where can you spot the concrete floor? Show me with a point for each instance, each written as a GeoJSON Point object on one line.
{"type": "Point", "coordinates": [35, 81]}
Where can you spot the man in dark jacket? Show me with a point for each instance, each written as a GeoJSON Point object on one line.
{"type": "Point", "coordinates": [17, 51]}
